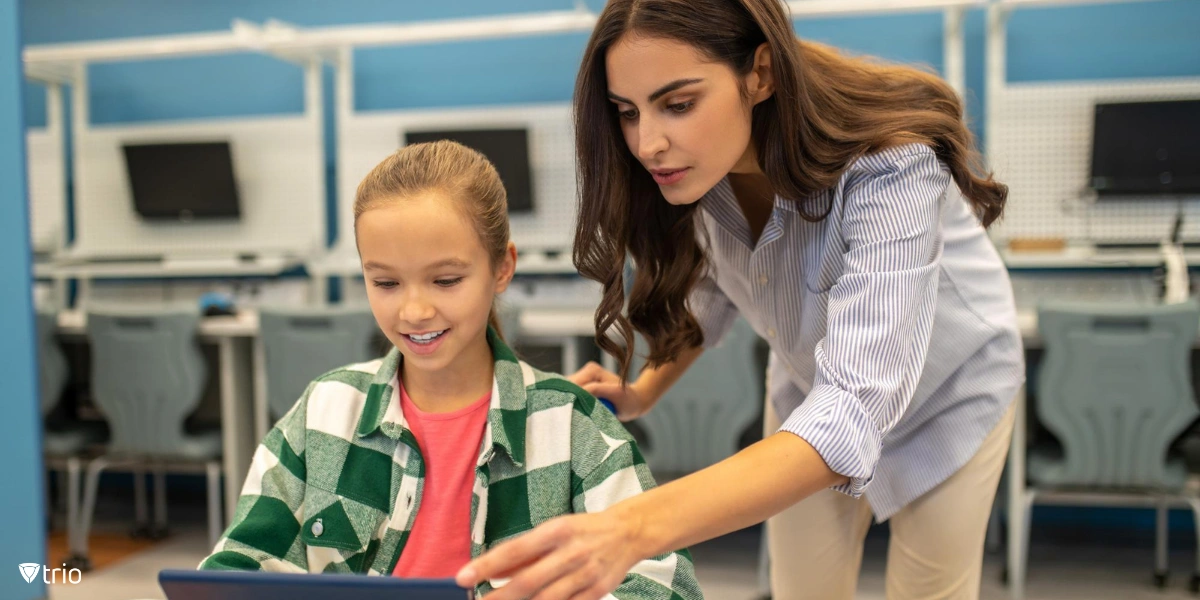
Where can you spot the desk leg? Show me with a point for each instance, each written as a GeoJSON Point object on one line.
{"type": "Point", "coordinates": [60, 293]}
{"type": "Point", "coordinates": [1016, 501]}
{"type": "Point", "coordinates": [262, 417]}
{"type": "Point", "coordinates": [570, 355]}
{"type": "Point", "coordinates": [83, 292]}
{"type": "Point", "coordinates": [237, 417]}
{"type": "Point", "coordinates": [318, 289]}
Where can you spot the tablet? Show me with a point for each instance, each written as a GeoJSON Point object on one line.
{"type": "Point", "coordinates": [254, 585]}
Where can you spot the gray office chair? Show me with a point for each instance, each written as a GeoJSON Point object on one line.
{"type": "Point", "coordinates": [148, 375]}
{"type": "Point", "coordinates": [1116, 390]}
{"type": "Point", "coordinates": [299, 344]}
{"type": "Point", "coordinates": [699, 421]}
{"type": "Point", "coordinates": [63, 442]}
{"type": "Point", "coordinates": [52, 364]}
{"type": "Point", "coordinates": [68, 438]}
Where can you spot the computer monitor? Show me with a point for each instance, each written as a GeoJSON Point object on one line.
{"type": "Point", "coordinates": [1146, 149]}
{"type": "Point", "coordinates": [182, 181]}
{"type": "Point", "coordinates": [508, 149]}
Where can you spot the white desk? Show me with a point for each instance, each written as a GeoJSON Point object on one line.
{"type": "Point", "coordinates": [167, 267]}
{"type": "Point", "coordinates": [234, 336]}
{"type": "Point", "coordinates": [86, 270]}
{"type": "Point", "coordinates": [1089, 256]}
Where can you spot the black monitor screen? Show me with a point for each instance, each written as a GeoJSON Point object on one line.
{"type": "Point", "coordinates": [508, 149]}
{"type": "Point", "coordinates": [1146, 148]}
{"type": "Point", "coordinates": [182, 181]}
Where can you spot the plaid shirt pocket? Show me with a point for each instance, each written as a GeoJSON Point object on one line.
{"type": "Point", "coordinates": [341, 534]}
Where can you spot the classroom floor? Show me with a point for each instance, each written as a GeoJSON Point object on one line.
{"type": "Point", "coordinates": [1090, 567]}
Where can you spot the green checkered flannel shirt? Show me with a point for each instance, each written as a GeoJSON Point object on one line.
{"type": "Point", "coordinates": [336, 485]}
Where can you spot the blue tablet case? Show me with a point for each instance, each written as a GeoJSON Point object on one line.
{"type": "Point", "coordinates": [245, 585]}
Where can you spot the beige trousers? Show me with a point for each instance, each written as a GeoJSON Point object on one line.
{"type": "Point", "coordinates": [936, 544]}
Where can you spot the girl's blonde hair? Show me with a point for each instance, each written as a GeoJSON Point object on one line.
{"type": "Point", "coordinates": [459, 173]}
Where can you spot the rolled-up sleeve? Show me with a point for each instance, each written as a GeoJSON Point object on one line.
{"type": "Point", "coordinates": [879, 314]}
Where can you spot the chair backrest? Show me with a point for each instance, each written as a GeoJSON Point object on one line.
{"type": "Point", "coordinates": [1116, 388]}
{"type": "Point", "coordinates": [148, 375]}
{"type": "Point", "coordinates": [301, 343]}
{"type": "Point", "coordinates": [699, 420]}
{"type": "Point", "coordinates": [52, 362]}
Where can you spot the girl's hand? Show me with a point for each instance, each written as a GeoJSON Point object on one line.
{"type": "Point", "coordinates": [575, 557]}
{"type": "Point", "coordinates": [631, 403]}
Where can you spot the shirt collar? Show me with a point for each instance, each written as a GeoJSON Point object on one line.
{"type": "Point", "coordinates": [506, 413]}
{"type": "Point", "coordinates": [722, 206]}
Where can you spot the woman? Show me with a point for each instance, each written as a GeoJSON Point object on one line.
{"type": "Point", "coordinates": [836, 204]}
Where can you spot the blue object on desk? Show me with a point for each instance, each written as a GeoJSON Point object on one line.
{"type": "Point", "coordinates": [216, 304]}
{"type": "Point", "coordinates": [253, 585]}
{"type": "Point", "coordinates": [609, 405]}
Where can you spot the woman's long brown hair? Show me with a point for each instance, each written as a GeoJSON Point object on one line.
{"type": "Point", "coordinates": [826, 111]}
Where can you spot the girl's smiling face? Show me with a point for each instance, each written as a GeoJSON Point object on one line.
{"type": "Point", "coordinates": [430, 282]}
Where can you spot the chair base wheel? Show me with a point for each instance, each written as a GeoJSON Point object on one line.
{"type": "Point", "coordinates": [1160, 579]}
{"type": "Point", "coordinates": [149, 532]}
{"type": "Point", "coordinates": [83, 563]}
{"type": "Point", "coordinates": [140, 532]}
{"type": "Point", "coordinates": [1194, 585]}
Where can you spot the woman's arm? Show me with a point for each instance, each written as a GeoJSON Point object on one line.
{"type": "Point", "coordinates": [740, 491]}
{"type": "Point", "coordinates": [586, 556]}
{"type": "Point", "coordinates": [637, 398]}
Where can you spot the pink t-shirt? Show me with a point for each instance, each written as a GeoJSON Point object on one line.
{"type": "Point", "coordinates": [440, 542]}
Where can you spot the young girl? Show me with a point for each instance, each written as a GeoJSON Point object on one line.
{"type": "Point", "coordinates": [836, 204]}
{"type": "Point", "coordinates": [412, 465]}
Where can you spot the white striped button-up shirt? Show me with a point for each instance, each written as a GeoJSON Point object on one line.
{"type": "Point", "coordinates": [895, 348]}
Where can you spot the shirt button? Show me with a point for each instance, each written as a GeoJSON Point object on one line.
{"type": "Point", "coordinates": [771, 332]}
{"type": "Point", "coordinates": [762, 279]}
{"type": "Point", "coordinates": [318, 528]}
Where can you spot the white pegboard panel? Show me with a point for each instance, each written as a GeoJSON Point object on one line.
{"type": "Point", "coordinates": [366, 138]}
{"type": "Point", "coordinates": [277, 161]}
{"type": "Point", "coordinates": [1039, 143]}
{"type": "Point", "coordinates": [47, 189]}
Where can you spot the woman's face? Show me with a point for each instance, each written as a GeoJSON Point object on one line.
{"type": "Point", "coordinates": [685, 118]}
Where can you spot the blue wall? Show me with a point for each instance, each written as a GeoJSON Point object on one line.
{"type": "Point", "coordinates": [1116, 40]}
{"type": "Point", "coordinates": [1120, 40]}
{"type": "Point", "coordinates": [22, 538]}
